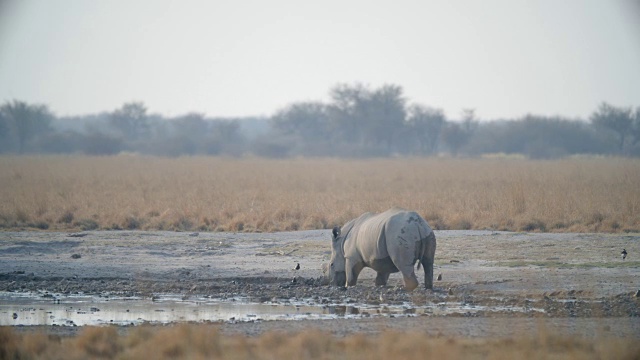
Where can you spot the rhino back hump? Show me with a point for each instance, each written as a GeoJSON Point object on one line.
{"type": "Point", "coordinates": [370, 236]}
{"type": "Point", "coordinates": [405, 233]}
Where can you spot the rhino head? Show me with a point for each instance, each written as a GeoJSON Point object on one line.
{"type": "Point", "coordinates": [335, 270]}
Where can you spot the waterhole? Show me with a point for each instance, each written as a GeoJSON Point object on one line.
{"type": "Point", "coordinates": [80, 310]}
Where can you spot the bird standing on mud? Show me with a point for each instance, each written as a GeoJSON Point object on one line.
{"type": "Point", "coordinates": [624, 254]}
{"type": "Point", "coordinates": [296, 269]}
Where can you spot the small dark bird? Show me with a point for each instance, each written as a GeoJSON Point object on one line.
{"type": "Point", "coordinates": [298, 266]}
{"type": "Point", "coordinates": [439, 277]}
{"type": "Point", "coordinates": [624, 254]}
{"type": "Point", "coordinates": [294, 280]}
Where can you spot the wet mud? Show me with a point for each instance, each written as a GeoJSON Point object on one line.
{"type": "Point", "coordinates": [244, 281]}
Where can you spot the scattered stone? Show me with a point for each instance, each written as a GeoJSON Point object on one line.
{"type": "Point", "coordinates": [76, 256]}
{"type": "Point", "coordinates": [450, 292]}
{"type": "Point", "coordinates": [194, 234]}
{"type": "Point", "coordinates": [454, 261]}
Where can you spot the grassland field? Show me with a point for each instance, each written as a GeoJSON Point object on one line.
{"type": "Point", "coordinates": [216, 195]}
{"type": "Point", "coordinates": [207, 342]}
{"type": "Point", "coordinates": [251, 194]}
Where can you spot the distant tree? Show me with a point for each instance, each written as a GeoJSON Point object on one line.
{"type": "Point", "coordinates": [366, 117]}
{"type": "Point", "coordinates": [4, 126]}
{"type": "Point", "coordinates": [457, 135]}
{"type": "Point", "coordinates": [59, 142]}
{"type": "Point", "coordinates": [635, 127]}
{"type": "Point", "coordinates": [426, 124]}
{"type": "Point", "coordinates": [190, 132]}
{"type": "Point", "coordinates": [309, 120]}
{"type": "Point", "coordinates": [5, 132]}
{"type": "Point", "coordinates": [192, 124]}
{"type": "Point", "coordinates": [226, 138]}
{"type": "Point", "coordinates": [272, 146]}
{"type": "Point", "coordinates": [469, 120]}
{"type": "Point", "coordinates": [130, 120]}
{"type": "Point", "coordinates": [26, 120]}
{"type": "Point", "coordinates": [347, 112]}
{"type": "Point", "coordinates": [102, 144]}
{"type": "Point", "coordinates": [618, 120]}
{"type": "Point", "coordinates": [308, 126]}
{"type": "Point", "coordinates": [386, 114]}
{"type": "Point", "coordinates": [537, 137]}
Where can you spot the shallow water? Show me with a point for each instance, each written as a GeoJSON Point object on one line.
{"type": "Point", "coordinates": [47, 309]}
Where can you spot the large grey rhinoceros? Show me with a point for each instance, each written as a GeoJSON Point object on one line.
{"type": "Point", "coordinates": [388, 242]}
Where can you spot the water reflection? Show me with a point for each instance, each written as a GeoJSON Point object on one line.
{"type": "Point", "coordinates": [34, 309]}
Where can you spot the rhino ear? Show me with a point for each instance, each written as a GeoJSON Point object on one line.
{"type": "Point", "coordinates": [336, 232]}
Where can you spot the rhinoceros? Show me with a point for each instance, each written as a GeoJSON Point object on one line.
{"type": "Point", "coordinates": [388, 242]}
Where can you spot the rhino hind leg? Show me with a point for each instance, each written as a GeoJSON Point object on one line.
{"type": "Point", "coordinates": [409, 277]}
{"type": "Point", "coordinates": [410, 281]}
{"type": "Point", "coordinates": [427, 261]}
{"type": "Point", "coordinates": [382, 278]}
{"type": "Point", "coordinates": [428, 272]}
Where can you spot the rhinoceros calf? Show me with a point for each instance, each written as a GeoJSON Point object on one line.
{"type": "Point", "coordinates": [388, 242]}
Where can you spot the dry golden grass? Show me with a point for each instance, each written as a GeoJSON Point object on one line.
{"type": "Point", "coordinates": [206, 342]}
{"type": "Point", "coordinates": [216, 194]}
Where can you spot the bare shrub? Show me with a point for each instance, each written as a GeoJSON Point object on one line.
{"type": "Point", "coordinates": [131, 223]}
{"type": "Point", "coordinates": [10, 344]}
{"type": "Point", "coordinates": [66, 217]}
{"type": "Point", "coordinates": [436, 222]}
{"type": "Point", "coordinates": [42, 225]}
{"type": "Point", "coordinates": [461, 224]}
{"type": "Point", "coordinates": [21, 216]}
{"type": "Point", "coordinates": [86, 224]}
{"type": "Point", "coordinates": [533, 225]}
{"type": "Point", "coordinates": [99, 342]}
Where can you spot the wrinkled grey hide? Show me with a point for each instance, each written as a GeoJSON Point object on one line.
{"type": "Point", "coordinates": [388, 242]}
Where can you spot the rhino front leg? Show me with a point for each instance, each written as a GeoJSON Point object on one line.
{"type": "Point", "coordinates": [382, 278]}
{"type": "Point", "coordinates": [353, 269]}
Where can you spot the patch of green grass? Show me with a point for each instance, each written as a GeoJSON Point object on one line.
{"type": "Point", "coordinates": [564, 265]}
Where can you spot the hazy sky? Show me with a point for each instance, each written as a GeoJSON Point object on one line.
{"type": "Point", "coordinates": [238, 57]}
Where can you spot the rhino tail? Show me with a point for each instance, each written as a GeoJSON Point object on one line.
{"type": "Point", "coordinates": [418, 266]}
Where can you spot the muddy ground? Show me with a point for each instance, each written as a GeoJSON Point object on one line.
{"type": "Point", "coordinates": [569, 282]}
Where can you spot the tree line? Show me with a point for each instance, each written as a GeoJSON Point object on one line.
{"type": "Point", "coordinates": [357, 121]}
